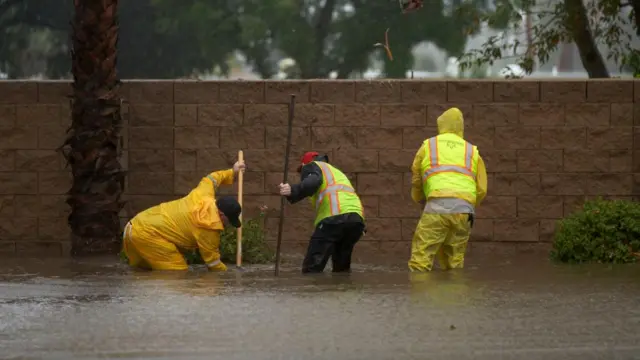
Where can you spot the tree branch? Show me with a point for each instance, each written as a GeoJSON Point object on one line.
{"type": "Point", "coordinates": [635, 4]}
{"type": "Point", "coordinates": [321, 32]}
{"type": "Point", "coordinates": [578, 25]}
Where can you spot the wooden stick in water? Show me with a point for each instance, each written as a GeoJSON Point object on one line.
{"type": "Point", "coordinates": [287, 152]}
{"type": "Point", "coordinates": [240, 186]}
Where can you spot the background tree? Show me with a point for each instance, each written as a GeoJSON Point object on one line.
{"type": "Point", "coordinates": [338, 35]}
{"type": "Point", "coordinates": [30, 35]}
{"type": "Point", "coordinates": [91, 147]}
{"type": "Point", "coordinates": [160, 39]}
{"type": "Point", "coordinates": [180, 38]}
{"type": "Point", "coordinates": [590, 24]}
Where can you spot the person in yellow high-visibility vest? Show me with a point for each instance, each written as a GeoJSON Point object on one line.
{"type": "Point", "coordinates": [339, 222]}
{"type": "Point", "coordinates": [449, 179]}
{"type": "Point", "coordinates": [154, 238]}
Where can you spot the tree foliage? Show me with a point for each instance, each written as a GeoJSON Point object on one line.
{"type": "Point", "coordinates": [592, 25]}
{"type": "Point", "coordinates": [158, 38]}
{"type": "Point", "coordinates": [29, 25]}
{"type": "Point", "coordinates": [338, 35]}
{"type": "Point", "coordinates": [177, 38]}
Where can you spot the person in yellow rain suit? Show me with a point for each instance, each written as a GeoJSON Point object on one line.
{"type": "Point", "coordinates": [154, 237]}
{"type": "Point", "coordinates": [450, 179]}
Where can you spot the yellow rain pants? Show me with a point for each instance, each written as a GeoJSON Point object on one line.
{"type": "Point", "coordinates": [155, 237]}
{"type": "Point", "coordinates": [151, 252]}
{"type": "Point", "coordinates": [443, 234]}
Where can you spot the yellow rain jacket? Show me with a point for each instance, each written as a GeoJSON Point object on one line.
{"type": "Point", "coordinates": [155, 237]}
{"type": "Point", "coordinates": [450, 122]}
{"type": "Point", "coordinates": [444, 230]}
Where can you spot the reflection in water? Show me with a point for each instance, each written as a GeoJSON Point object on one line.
{"type": "Point", "coordinates": [515, 308]}
{"type": "Point", "coordinates": [443, 289]}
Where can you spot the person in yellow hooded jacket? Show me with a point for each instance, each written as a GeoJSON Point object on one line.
{"type": "Point", "coordinates": [154, 238]}
{"type": "Point", "coordinates": [449, 179]}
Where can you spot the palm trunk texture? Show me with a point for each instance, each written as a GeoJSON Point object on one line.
{"type": "Point", "coordinates": [92, 144]}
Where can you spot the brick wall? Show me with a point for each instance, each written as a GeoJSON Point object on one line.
{"type": "Point", "coordinates": [548, 145]}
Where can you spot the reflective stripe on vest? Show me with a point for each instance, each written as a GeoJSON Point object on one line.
{"type": "Point", "coordinates": [127, 231]}
{"type": "Point", "coordinates": [331, 190]}
{"type": "Point", "coordinates": [436, 168]}
{"type": "Point", "coordinates": [214, 263]}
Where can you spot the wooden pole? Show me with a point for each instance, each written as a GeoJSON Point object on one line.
{"type": "Point", "coordinates": [292, 104]}
{"type": "Point", "coordinates": [240, 188]}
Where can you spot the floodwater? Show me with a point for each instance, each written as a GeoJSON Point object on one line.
{"type": "Point", "coordinates": [508, 308]}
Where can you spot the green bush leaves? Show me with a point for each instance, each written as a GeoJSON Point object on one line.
{"type": "Point", "coordinates": [603, 231]}
{"type": "Point", "coordinates": [255, 249]}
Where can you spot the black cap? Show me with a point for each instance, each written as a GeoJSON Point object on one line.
{"type": "Point", "coordinates": [230, 207]}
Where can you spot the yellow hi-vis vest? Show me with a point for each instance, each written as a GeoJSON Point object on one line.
{"type": "Point", "coordinates": [450, 165]}
{"type": "Point", "coordinates": [335, 196]}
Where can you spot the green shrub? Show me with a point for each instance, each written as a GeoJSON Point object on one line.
{"type": "Point", "coordinates": [603, 231]}
{"type": "Point", "coordinates": [255, 249]}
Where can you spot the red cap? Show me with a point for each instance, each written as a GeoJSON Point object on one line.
{"type": "Point", "coordinates": [307, 158]}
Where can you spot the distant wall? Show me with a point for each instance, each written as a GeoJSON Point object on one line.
{"type": "Point", "coordinates": [548, 146]}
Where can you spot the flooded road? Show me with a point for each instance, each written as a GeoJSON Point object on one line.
{"type": "Point", "coordinates": [494, 309]}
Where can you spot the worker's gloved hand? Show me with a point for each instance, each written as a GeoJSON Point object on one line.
{"type": "Point", "coordinates": [284, 189]}
{"type": "Point", "coordinates": [219, 267]}
{"type": "Point", "coordinates": [239, 166]}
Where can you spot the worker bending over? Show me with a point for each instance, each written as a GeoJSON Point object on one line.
{"type": "Point", "coordinates": [339, 222]}
{"type": "Point", "coordinates": [154, 238]}
{"type": "Point", "coordinates": [450, 180]}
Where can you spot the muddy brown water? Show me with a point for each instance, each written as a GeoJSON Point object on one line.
{"type": "Point", "coordinates": [507, 308]}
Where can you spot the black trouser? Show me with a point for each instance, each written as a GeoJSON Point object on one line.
{"type": "Point", "coordinates": [335, 241]}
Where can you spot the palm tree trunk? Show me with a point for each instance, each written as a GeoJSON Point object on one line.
{"type": "Point", "coordinates": [92, 144]}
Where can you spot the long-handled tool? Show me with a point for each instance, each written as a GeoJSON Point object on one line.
{"type": "Point", "coordinates": [239, 237]}
{"type": "Point", "coordinates": [292, 104]}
